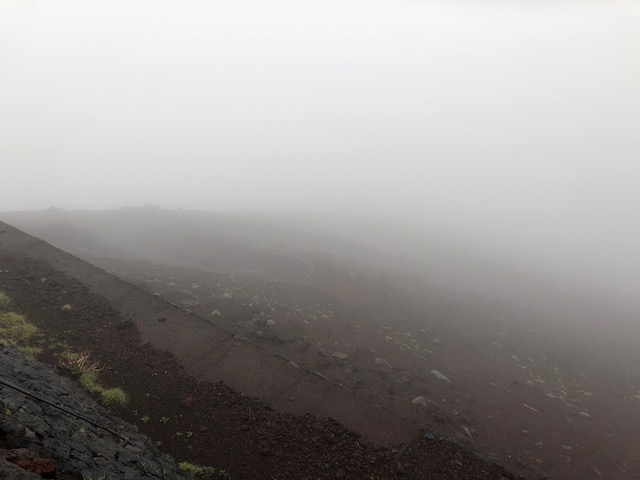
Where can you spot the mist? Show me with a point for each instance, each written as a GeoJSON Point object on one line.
{"type": "Point", "coordinates": [505, 131]}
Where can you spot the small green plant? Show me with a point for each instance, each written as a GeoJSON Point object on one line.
{"type": "Point", "coordinates": [66, 307]}
{"type": "Point", "coordinates": [114, 397]}
{"type": "Point", "coordinates": [164, 420]}
{"type": "Point", "coordinates": [227, 296]}
{"type": "Point", "coordinates": [4, 301]}
{"type": "Point", "coordinates": [198, 470]}
{"type": "Point", "coordinates": [78, 363]}
{"type": "Point", "coordinates": [31, 352]}
{"type": "Point", "coordinates": [216, 313]}
{"type": "Point", "coordinates": [15, 328]}
{"type": "Point", "coordinates": [145, 419]}
{"type": "Point", "coordinates": [89, 380]}
{"type": "Point", "coordinates": [189, 434]}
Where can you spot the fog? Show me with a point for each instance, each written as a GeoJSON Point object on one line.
{"type": "Point", "coordinates": [505, 131]}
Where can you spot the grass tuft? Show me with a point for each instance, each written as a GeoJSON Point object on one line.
{"type": "Point", "coordinates": [114, 397]}
{"type": "Point", "coordinates": [78, 363]}
{"type": "Point", "coordinates": [15, 328]}
{"type": "Point", "coordinates": [89, 380]}
{"type": "Point", "coordinates": [198, 470]}
{"type": "Point", "coordinates": [31, 352]}
{"type": "Point", "coordinates": [4, 301]}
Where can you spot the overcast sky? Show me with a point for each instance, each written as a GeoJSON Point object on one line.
{"type": "Point", "coordinates": [513, 120]}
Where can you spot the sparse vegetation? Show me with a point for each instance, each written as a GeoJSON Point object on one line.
{"type": "Point", "coordinates": [198, 470]}
{"type": "Point", "coordinates": [216, 313]}
{"type": "Point", "coordinates": [16, 330]}
{"type": "Point", "coordinates": [66, 307]}
{"type": "Point", "coordinates": [31, 352]}
{"type": "Point", "coordinates": [89, 380]}
{"type": "Point", "coordinates": [80, 364]}
{"type": "Point", "coordinates": [114, 397]}
{"type": "Point", "coordinates": [4, 301]}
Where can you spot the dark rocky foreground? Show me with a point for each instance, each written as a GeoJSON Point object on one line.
{"type": "Point", "coordinates": [40, 438]}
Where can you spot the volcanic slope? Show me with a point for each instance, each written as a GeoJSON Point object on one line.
{"type": "Point", "coordinates": [526, 393]}
{"type": "Point", "coordinates": [152, 349]}
{"type": "Point", "coordinates": [524, 389]}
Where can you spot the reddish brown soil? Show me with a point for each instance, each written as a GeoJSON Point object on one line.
{"type": "Point", "coordinates": [542, 400]}
{"type": "Point", "coordinates": [209, 423]}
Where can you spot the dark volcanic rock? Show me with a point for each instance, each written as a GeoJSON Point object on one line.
{"type": "Point", "coordinates": [31, 461]}
{"type": "Point", "coordinates": [9, 471]}
{"type": "Point", "coordinates": [54, 444]}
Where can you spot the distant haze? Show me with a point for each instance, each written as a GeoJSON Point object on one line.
{"type": "Point", "coordinates": [509, 130]}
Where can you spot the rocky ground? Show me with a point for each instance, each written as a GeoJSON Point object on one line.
{"type": "Point", "coordinates": [205, 423]}
{"type": "Point", "coordinates": [534, 397]}
{"type": "Point", "coordinates": [39, 440]}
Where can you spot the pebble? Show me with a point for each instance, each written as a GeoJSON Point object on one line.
{"type": "Point", "coordinates": [419, 401]}
{"type": "Point", "coordinates": [440, 376]}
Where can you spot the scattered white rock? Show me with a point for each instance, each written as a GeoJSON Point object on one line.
{"type": "Point", "coordinates": [440, 376]}
{"type": "Point", "coordinates": [271, 323]}
{"type": "Point", "coordinates": [419, 401]}
{"type": "Point", "coordinates": [382, 361]}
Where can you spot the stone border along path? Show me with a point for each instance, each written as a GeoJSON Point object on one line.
{"type": "Point", "coordinates": [212, 354]}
